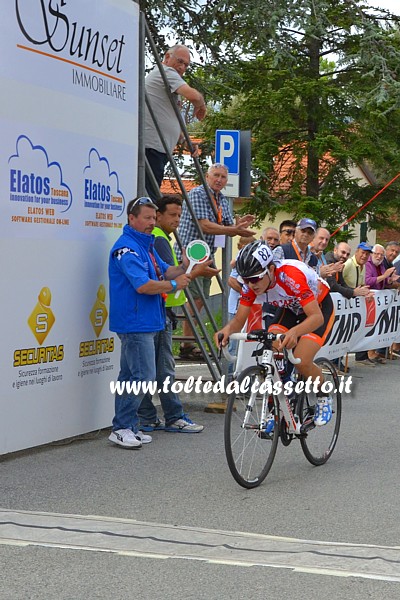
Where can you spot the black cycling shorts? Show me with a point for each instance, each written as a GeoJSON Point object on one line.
{"type": "Point", "coordinates": [286, 319]}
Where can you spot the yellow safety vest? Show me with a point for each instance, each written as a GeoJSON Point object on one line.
{"type": "Point", "coordinates": [171, 300]}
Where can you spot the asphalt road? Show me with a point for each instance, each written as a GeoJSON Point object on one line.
{"type": "Point", "coordinates": [166, 515]}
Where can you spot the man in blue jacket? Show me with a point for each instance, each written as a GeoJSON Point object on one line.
{"type": "Point", "coordinates": [139, 282]}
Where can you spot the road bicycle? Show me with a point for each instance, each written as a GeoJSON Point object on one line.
{"type": "Point", "coordinates": [259, 398]}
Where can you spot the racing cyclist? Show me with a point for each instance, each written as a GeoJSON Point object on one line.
{"type": "Point", "coordinates": [305, 310]}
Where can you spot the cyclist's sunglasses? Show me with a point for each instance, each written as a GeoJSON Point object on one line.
{"type": "Point", "coordinates": [289, 231]}
{"type": "Point", "coordinates": [254, 279]}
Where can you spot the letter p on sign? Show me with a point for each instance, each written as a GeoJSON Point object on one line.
{"type": "Point", "coordinates": [227, 147]}
{"type": "Point", "coordinates": [227, 152]}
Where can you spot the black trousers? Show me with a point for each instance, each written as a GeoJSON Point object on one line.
{"type": "Point", "coordinates": [157, 161]}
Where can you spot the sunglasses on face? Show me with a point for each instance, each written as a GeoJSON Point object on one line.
{"type": "Point", "coordinates": [254, 279]}
{"type": "Point", "coordinates": [289, 231]}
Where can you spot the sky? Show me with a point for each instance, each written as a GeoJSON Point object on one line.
{"type": "Point", "coordinates": [392, 5]}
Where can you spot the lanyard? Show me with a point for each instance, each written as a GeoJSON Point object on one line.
{"type": "Point", "coordinates": [296, 249]}
{"type": "Point", "coordinates": [158, 272]}
{"type": "Point", "coordinates": [218, 208]}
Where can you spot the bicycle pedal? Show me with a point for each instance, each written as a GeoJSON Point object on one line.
{"type": "Point", "coordinates": [307, 426]}
{"type": "Point", "coordinates": [263, 435]}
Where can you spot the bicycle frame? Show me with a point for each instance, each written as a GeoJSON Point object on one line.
{"type": "Point", "coordinates": [272, 376]}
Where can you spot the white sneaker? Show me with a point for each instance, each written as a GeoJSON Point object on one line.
{"type": "Point", "coordinates": [184, 425]}
{"type": "Point", "coordinates": [125, 438]}
{"type": "Point", "coordinates": [143, 437]}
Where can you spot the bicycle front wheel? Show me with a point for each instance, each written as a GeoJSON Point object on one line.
{"type": "Point", "coordinates": [318, 443]}
{"type": "Point", "coordinates": [250, 451]}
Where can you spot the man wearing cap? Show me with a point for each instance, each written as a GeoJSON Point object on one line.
{"type": "Point", "coordinates": [338, 256]}
{"type": "Point", "coordinates": [354, 277]}
{"type": "Point", "coordinates": [298, 249]}
{"type": "Point", "coordinates": [353, 270]}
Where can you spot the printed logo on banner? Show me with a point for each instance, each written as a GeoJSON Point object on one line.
{"type": "Point", "coordinates": [101, 192]}
{"type": "Point", "coordinates": [55, 31]}
{"type": "Point", "coordinates": [387, 319]}
{"type": "Point", "coordinates": [36, 369]}
{"type": "Point", "coordinates": [42, 319]}
{"type": "Point", "coordinates": [37, 190]}
{"type": "Point", "coordinates": [347, 320]}
{"type": "Point", "coordinates": [98, 314]}
{"type": "Point", "coordinates": [371, 311]}
{"type": "Point", "coordinates": [92, 348]}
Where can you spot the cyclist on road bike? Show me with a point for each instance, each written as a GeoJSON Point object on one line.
{"type": "Point", "coordinates": [305, 310]}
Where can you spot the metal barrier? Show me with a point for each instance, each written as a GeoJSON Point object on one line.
{"type": "Point", "coordinates": [203, 338]}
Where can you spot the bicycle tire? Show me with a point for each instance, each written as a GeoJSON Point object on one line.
{"type": "Point", "coordinates": [249, 452]}
{"type": "Point", "coordinates": [319, 442]}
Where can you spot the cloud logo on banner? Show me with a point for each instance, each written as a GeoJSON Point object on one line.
{"type": "Point", "coordinates": [101, 185]}
{"type": "Point", "coordinates": [33, 178]}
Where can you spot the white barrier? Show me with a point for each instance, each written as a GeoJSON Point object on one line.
{"type": "Point", "coordinates": [68, 163]}
{"type": "Point", "coordinates": [359, 325]}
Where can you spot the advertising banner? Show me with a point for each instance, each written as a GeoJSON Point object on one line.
{"type": "Point", "coordinates": [68, 163]}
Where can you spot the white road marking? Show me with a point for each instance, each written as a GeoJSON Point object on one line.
{"type": "Point", "coordinates": [128, 537]}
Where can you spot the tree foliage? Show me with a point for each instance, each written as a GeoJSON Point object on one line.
{"type": "Point", "coordinates": [317, 83]}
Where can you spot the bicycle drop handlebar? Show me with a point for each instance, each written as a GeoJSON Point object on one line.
{"type": "Point", "coordinates": [256, 337]}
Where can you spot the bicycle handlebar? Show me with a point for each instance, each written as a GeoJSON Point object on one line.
{"type": "Point", "coordinates": [244, 337]}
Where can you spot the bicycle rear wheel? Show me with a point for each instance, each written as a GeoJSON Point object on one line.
{"type": "Point", "coordinates": [250, 452]}
{"type": "Point", "coordinates": [318, 443]}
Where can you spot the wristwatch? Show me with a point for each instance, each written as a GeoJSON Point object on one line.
{"type": "Point", "coordinates": [174, 285]}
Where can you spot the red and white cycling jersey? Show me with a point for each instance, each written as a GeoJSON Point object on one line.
{"type": "Point", "coordinates": [296, 285]}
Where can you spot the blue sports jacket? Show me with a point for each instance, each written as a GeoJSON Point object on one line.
{"type": "Point", "coordinates": [130, 266]}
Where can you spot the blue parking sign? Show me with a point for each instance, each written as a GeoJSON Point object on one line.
{"type": "Point", "coordinates": [227, 149]}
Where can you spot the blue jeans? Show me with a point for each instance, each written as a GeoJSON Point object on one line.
{"type": "Point", "coordinates": [137, 364]}
{"type": "Point", "coordinates": [165, 366]}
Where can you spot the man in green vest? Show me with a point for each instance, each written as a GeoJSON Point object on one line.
{"type": "Point", "coordinates": [168, 217]}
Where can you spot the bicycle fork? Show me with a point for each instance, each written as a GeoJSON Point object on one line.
{"type": "Point", "coordinates": [269, 385]}
{"type": "Point", "coordinates": [249, 422]}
